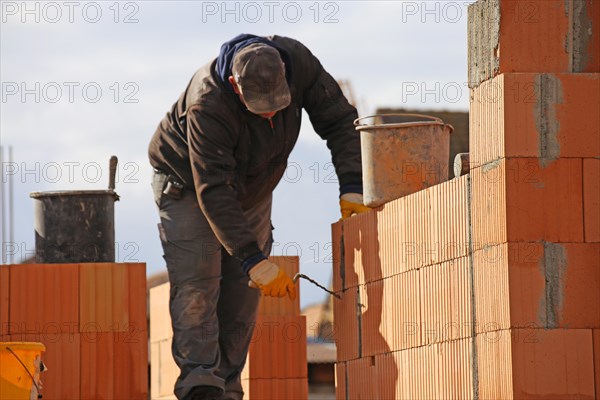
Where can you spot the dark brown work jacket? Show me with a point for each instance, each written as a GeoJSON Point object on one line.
{"type": "Point", "coordinates": [232, 159]}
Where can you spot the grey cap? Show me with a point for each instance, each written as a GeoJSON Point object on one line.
{"type": "Point", "coordinates": [260, 74]}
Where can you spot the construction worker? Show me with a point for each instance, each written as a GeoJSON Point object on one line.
{"type": "Point", "coordinates": [218, 155]}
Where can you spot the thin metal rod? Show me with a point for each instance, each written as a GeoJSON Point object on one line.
{"type": "Point", "coordinates": [297, 276]}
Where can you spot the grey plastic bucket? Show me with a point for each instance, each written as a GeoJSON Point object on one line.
{"type": "Point", "coordinates": [402, 154]}
{"type": "Point", "coordinates": [74, 226]}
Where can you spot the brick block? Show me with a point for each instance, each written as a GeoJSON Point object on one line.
{"type": "Point", "coordinates": [283, 339]}
{"type": "Point", "coordinates": [509, 286]}
{"type": "Point", "coordinates": [338, 267]}
{"type": "Point", "coordinates": [4, 298]}
{"type": "Point", "coordinates": [596, 339]}
{"type": "Point", "coordinates": [488, 204]}
{"type": "Point", "coordinates": [346, 328]}
{"type": "Point", "coordinates": [361, 249]}
{"type": "Point", "coordinates": [537, 285]}
{"type": "Point", "coordinates": [373, 341]}
{"type": "Point", "coordinates": [137, 297]}
{"type": "Point", "coordinates": [401, 326]}
{"type": "Point", "coordinates": [591, 199]}
{"type": "Point", "coordinates": [268, 389]}
{"type": "Point", "coordinates": [555, 363]}
{"type": "Point", "coordinates": [545, 204]}
{"type": "Point", "coordinates": [114, 365]}
{"type": "Point", "coordinates": [131, 365]}
{"type": "Point", "coordinates": [275, 306]}
{"type": "Point", "coordinates": [448, 221]}
{"type": "Point", "coordinates": [494, 365]}
{"type": "Point", "coordinates": [160, 319]}
{"type": "Point", "coordinates": [445, 301]}
{"type": "Point", "coordinates": [163, 370]}
{"type": "Point", "coordinates": [112, 297]}
{"type": "Point", "coordinates": [530, 36]}
{"type": "Point", "coordinates": [573, 279]}
{"type": "Point", "coordinates": [362, 379]}
{"type": "Point", "coordinates": [517, 199]}
{"type": "Point", "coordinates": [391, 232]}
{"type": "Point", "coordinates": [341, 381]}
{"type": "Point", "coordinates": [535, 115]}
{"type": "Point", "coordinates": [387, 371]}
{"type": "Point", "coordinates": [44, 298]}
{"type": "Point", "coordinates": [454, 379]}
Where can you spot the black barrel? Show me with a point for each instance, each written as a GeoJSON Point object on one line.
{"type": "Point", "coordinates": [74, 226]}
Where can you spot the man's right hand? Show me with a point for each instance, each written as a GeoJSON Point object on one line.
{"type": "Point", "coordinates": [271, 280]}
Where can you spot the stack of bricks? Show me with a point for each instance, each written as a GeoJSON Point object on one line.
{"type": "Point", "coordinates": [92, 320]}
{"type": "Point", "coordinates": [276, 367]}
{"type": "Point", "coordinates": [487, 286]}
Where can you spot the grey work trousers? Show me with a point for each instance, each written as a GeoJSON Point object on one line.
{"type": "Point", "coordinates": [213, 311]}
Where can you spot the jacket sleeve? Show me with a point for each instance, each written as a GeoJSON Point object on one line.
{"type": "Point", "coordinates": [211, 142]}
{"type": "Point", "coordinates": [332, 117]}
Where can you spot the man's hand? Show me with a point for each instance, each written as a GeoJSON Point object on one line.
{"type": "Point", "coordinates": [271, 280]}
{"type": "Point", "coordinates": [352, 203]}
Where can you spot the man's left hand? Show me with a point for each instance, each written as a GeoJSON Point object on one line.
{"type": "Point", "coordinates": [352, 203]}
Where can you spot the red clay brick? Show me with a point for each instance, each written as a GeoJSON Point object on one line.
{"type": "Point", "coordinates": [488, 204]}
{"type": "Point", "coordinates": [591, 198]}
{"type": "Point", "coordinates": [97, 369]}
{"type": "Point", "coordinates": [130, 365]}
{"type": "Point", "coordinates": [509, 286]}
{"type": "Point", "coordinates": [137, 293]}
{"type": "Point", "coordinates": [523, 36]}
{"type": "Point", "coordinates": [455, 372]}
{"type": "Point", "coordinates": [4, 297]}
{"type": "Point", "coordinates": [372, 316]}
{"type": "Point", "coordinates": [346, 325]}
{"type": "Point", "coordinates": [336, 236]}
{"type": "Point", "coordinates": [520, 200]}
{"type": "Point", "coordinates": [43, 297]}
{"type": "Point", "coordinates": [401, 326]}
{"type": "Point", "coordinates": [596, 344]}
{"type": "Point", "coordinates": [494, 365]}
{"type": "Point", "coordinates": [283, 339]}
{"type": "Point", "coordinates": [555, 363]}
{"type": "Point", "coordinates": [267, 389]}
{"type": "Point", "coordinates": [387, 375]}
{"type": "Point", "coordinates": [340, 381]}
{"type": "Point", "coordinates": [104, 297]}
{"type": "Point", "coordinates": [445, 301]}
{"type": "Point", "coordinates": [535, 115]}
{"type": "Point", "coordinates": [544, 203]}
{"type": "Point", "coordinates": [114, 365]}
{"type": "Point", "coordinates": [535, 285]}
{"type": "Point", "coordinates": [579, 304]}
{"type": "Point", "coordinates": [362, 379]}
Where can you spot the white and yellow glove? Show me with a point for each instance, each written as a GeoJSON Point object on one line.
{"type": "Point", "coordinates": [271, 280]}
{"type": "Point", "coordinates": [352, 203]}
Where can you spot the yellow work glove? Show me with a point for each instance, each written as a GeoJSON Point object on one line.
{"type": "Point", "coordinates": [271, 280]}
{"type": "Point", "coordinates": [352, 203]}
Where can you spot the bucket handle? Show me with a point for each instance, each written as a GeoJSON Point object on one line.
{"type": "Point", "coordinates": [428, 118]}
{"type": "Point", "coordinates": [26, 370]}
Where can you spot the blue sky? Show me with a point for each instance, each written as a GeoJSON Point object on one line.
{"type": "Point", "coordinates": [84, 80]}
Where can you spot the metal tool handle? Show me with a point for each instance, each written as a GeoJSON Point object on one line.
{"type": "Point", "coordinates": [112, 172]}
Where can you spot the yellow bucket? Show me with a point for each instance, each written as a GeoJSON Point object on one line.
{"type": "Point", "coordinates": [20, 373]}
